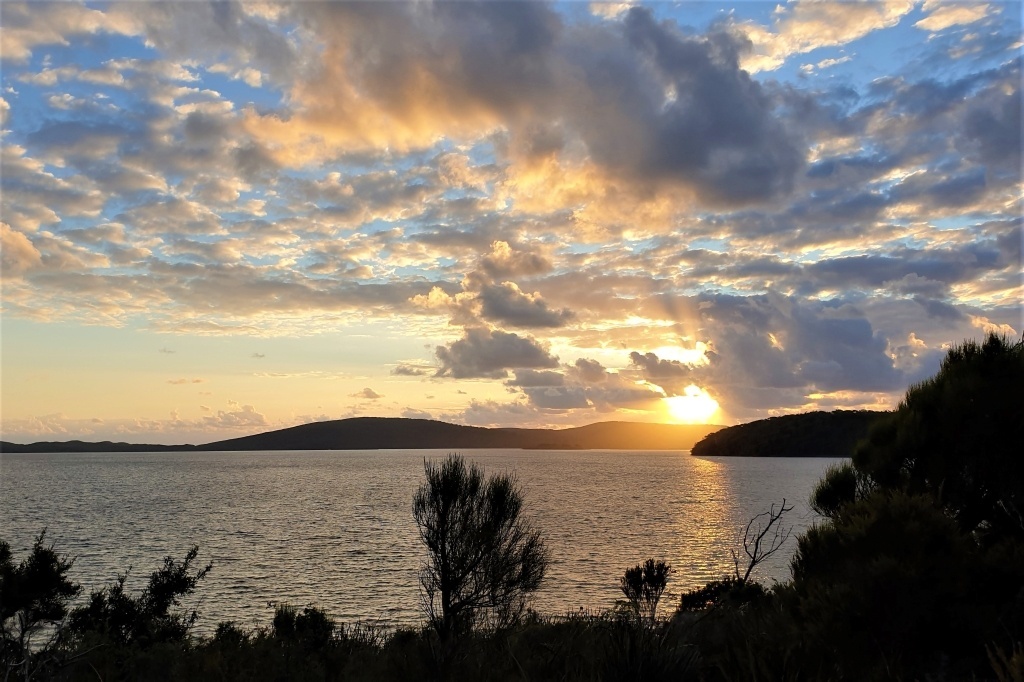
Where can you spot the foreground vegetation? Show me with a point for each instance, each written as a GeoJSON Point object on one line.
{"type": "Point", "coordinates": [916, 572]}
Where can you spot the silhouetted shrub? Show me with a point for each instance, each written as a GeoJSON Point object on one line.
{"type": "Point", "coordinates": [643, 586]}
{"type": "Point", "coordinates": [484, 558]}
{"type": "Point", "coordinates": [311, 627]}
{"type": "Point", "coordinates": [147, 618]}
{"type": "Point", "coordinates": [34, 599]}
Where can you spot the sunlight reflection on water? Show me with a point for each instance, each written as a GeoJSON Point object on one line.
{"type": "Point", "coordinates": [335, 528]}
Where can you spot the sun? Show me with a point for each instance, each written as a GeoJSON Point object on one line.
{"type": "Point", "coordinates": [695, 406]}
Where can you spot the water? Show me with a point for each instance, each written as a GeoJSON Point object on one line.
{"type": "Point", "coordinates": [335, 529]}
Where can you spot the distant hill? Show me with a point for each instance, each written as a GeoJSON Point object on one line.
{"type": "Point", "coordinates": [382, 433]}
{"type": "Point", "coordinates": [85, 446]}
{"type": "Point", "coordinates": [812, 434]}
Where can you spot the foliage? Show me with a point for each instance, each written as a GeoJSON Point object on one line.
{"type": "Point", "coordinates": [146, 618]}
{"type": "Point", "coordinates": [34, 598]}
{"type": "Point", "coordinates": [728, 592]}
{"type": "Point", "coordinates": [484, 557]}
{"type": "Point", "coordinates": [919, 565]}
{"type": "Point", "coordinates": [891, 589]}
{"type": "Point", "coordinates": [311, 627]}
{"type": "Point", "coordinates": [956, 438]}
{"type": "Point", "coordinates": [643, 586]}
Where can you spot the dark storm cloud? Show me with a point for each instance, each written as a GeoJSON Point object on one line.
{"type": "Point", "coordinates": [484, 353]}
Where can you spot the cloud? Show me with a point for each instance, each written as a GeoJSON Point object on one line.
{"type": "Point", "coordinates": [504, 261]}
{"type": "Point", "coordinates": [367, 393]}
{"type": "Point", "coordinates": [482, 299]}
{"type": "Point", "coordinates": [28, 25]}
{"type": "Point", "coordinates": [166, 351]}
{"type": "Point", "coordinates": [408, 370]}
{"type": "Point", "coordinates": [943, 16]}
{"type": "Point", "coordinates": [17, 253]}
{"type": "Point", "coordinates": [243, 417]}
{"type": "Point", "coordinates": [411, 413]}
{"type": "Point", "coordinates": [518, 66]}
{"type": "Point", "coordinates": [485, 353]}
{"type": "Point", "coordinates": [558, 398]}
{"type": "Point", "coordinates": [535, 378]}
{"type": "Point", "coordinates": [185, 381]}
{"type": "Point", "coordinates": [802, 27]}
{"type": "Point", "coordinates": [507, 304]}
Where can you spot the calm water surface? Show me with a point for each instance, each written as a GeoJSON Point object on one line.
{"type": "Point", "coordinates": [335, 528]}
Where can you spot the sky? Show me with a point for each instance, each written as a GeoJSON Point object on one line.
{"type": "Point", "coordinates": [225, 218]}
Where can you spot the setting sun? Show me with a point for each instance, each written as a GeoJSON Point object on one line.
{"type": "Point", "coordinates": [695, 406]}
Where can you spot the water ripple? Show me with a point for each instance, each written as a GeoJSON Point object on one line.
{"type": "Point", "coordinates": [335, 528]}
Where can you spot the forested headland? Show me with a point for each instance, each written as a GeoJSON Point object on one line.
{"type": "Point", "coordinates": [915, 571]}
{"type": "Point", "coordinates": [812, 434]}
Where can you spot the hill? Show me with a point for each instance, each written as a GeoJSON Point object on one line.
{"type": "Point", "coordinates": [381, 433]}
{"type": "Point", "coordinates": [812, 434]}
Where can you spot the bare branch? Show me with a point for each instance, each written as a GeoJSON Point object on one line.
{"type": "Point", "coordinates": [763, 537]}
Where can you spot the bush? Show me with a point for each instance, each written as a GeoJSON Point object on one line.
{"type": "Point", "coordinates": [34, 598]}
{"type": "Point", "coordinates": [484, 558]}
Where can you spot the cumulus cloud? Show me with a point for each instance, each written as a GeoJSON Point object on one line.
{"type": "Point", "coordinates": [504, 261]}
{"type": "Point", "coordinates": [507, 304]}
{"type": "Point", "coordinates": [367, 393]}
{"type": "Point", "coordinates": [242, 417]}
{"type": "Point", "coordinates": [17, 253]}
{"type": "Point", "coordinates": [504, 303]}
{"type": "Point", "coordinates": [486, 353]}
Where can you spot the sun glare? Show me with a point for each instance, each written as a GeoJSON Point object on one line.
{"type": "Point", "coordinates": [695, 406]}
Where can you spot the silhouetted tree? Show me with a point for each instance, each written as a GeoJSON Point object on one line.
{"type": "Point", "coordinates": [34, 598]}
{"type": "Point", "coordinates": [643, 586]}
{"type": "Point", "coordinates": [484, 558]}
{"type": "Point", "coordinates": [919, 566]}
{"type": "Point", "coordinates": [956, 438]}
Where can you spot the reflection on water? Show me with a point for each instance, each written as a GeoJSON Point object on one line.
{"type": "Point", "coordinates": [336, 528]}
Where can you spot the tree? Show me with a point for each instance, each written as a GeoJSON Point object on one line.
{"type": "Point", "coordinates": [918, 568]}
{"type": "Point", "coordinates": [954, 438]}
{"type": "Point", "coordinates": [484, 558]}
{"type": "Point", "coordinates": [34, 598]}
{"type": "Point", "coordinates": [643, 586]}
